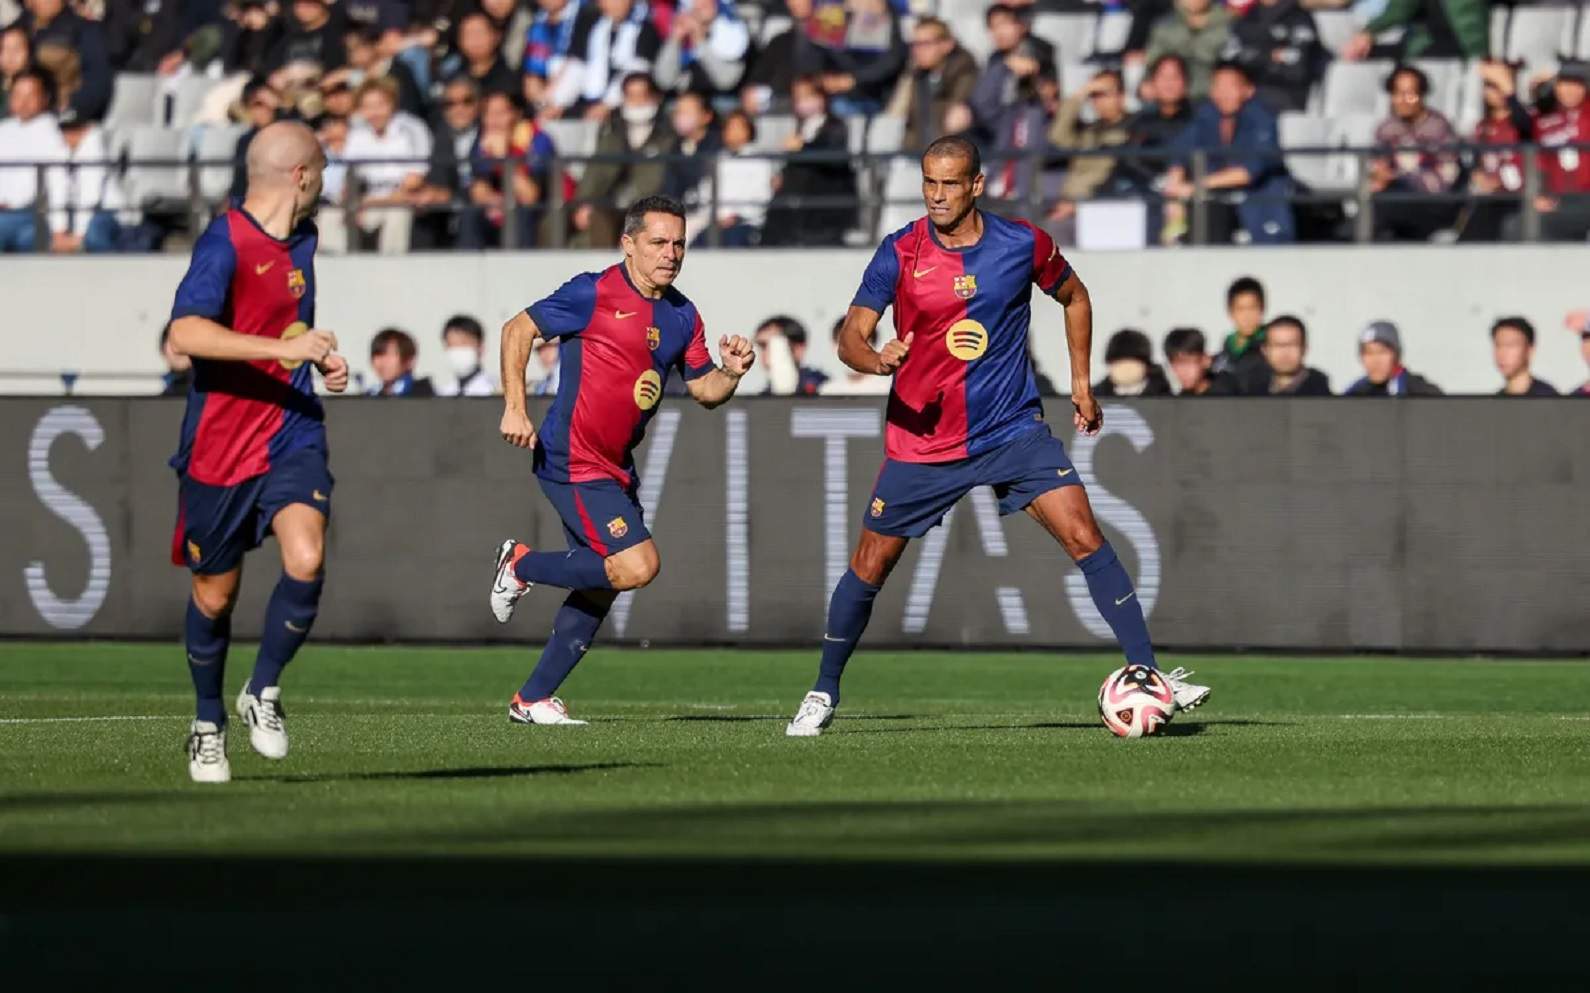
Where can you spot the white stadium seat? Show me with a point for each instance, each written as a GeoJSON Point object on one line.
{"type": "Point", "coordinates": [1446, 84]}
{"type": "Point", "coordinates": [134, 100]}
{"type": "Point", "coordinates": [1356, 88]}
{"type": "Point", "coordinates": [886, 135]}
{"type": "Point", "coordinates": [1540, 34]}
{"type": "Point", "coordinates": [1498, 28]}
{"type": "Point", "coordinates": [1114, 27]}
{"type": "Point", "coordinates": [1302, 130]}
{"type": "Point", "coordinates": [187, 99]}
{"type": "Point", "coordinates": [972, 33]}
{"type": "Point", "coordinates": [1583, 48]}
{"type": "Point", "coordinates": [147, 184]}
{"type": "Point", "coordinates": [772, 130]}
{"type": "Point", "coordinates": [775, 26]}
{"type": "Point", "coordinates": [1336, 28]}
{"type": "Point", "coordinates": [1351, 131]}
{"type": "Point", "coordinates": [1074, 75]}
{"type": "Point", "coordinates": [573, 137]}
{"type": "Point", "coordinates": [1071, 35]}
{"type": "Point", "coordinates": [902, 190]}
{"type": "Point", "coordinates": [216, 143]}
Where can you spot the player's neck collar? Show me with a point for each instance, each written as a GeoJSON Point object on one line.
{"type": "Point", "coordinates": [298, 229]}
{"type": "Point", "coordinates": [623, 268]}
{"type": "Point", "coordinates": [933, 232]}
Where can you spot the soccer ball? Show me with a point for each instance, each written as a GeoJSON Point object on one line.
{"type": "Point", "coordinates": [1136, 701]}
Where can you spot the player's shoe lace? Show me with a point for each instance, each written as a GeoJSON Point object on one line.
{"type": "Point", "coordinates": [811, 711]}
{"type": "Point", "coordinates": [270, 714]}
{"type": "Point", "coordinates": [1179, 674]}
{"type": "Point", "coordinates": [1188, 695]}
{"type": "Point", "coordinates": [207, 747]}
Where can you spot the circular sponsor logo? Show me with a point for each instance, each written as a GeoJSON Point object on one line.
{"type": "Point", "coordinates": [293, 330]}
{"type": "Point", "coordinates": [648, 389]}
{"type": "Point", "coordinates": [966, 340]}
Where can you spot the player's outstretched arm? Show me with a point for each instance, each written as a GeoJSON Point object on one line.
{"type": "Point", "coordinates": [518, 337]}
{"type": "Point", "coordinates": [855, 352]}
{"type": "Point", "coordinates": [1073, 296]}
{"type": "Point", "coordinates": [716, 387]}
{"type": "Point", "coordinates": [202, 338]}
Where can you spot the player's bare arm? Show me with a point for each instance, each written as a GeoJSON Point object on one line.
{"type": "Point", "coordinates": [518, 337]}
{"type": "Point", "coordinates": [1073, 296]}
{"type": "Point", "coordinates": [202, 338]}
{"type": "Point", "coordinates": [717, 386]}
{"type": "Point", "coordinates": [855, 352]}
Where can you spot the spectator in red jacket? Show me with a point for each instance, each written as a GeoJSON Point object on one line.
{"type": "Point", "coordinates": [1564, 202]}
{"type": "Point", "coordinates": [1497, 173]}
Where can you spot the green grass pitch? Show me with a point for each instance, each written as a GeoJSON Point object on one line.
{"type": "Point", "coordinates": [935, 757]}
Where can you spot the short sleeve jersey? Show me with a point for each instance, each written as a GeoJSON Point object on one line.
{"type": "Point", "coordinates": [244, 416]}
{"type": "Point", "coordinates": [968, 384]}
{"type": "Point", "coordinates": [616, 349]}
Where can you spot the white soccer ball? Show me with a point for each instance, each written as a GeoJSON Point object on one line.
{"type": "Point", "coordinates": [1136, 701]}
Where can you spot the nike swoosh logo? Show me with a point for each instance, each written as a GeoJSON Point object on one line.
{"type": "Point", "coordinates": [319, 496]}
{"type": "Point", "coordinates": [1064, 472]}
{"type": "Point", "coordinates": [1126, 598]}
{"type": "Point", "coordinates": [294, 628]}
{"type": "Point", "coordinates": [623, 316]}
{"type": "Point", "coordinates": [828, 637]}
{"type": "Point", "coordinates": [919, 273]}
{"type": "Point", "coordinates": [263, 268]}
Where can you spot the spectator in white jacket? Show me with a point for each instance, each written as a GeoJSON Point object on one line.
{"type": "Point", "coordinates": [706, 49]}
{"type": "Point", "coordinates": [95, 204]}
{"type": "Point", "coordinates": [388, 156]}
{"type": "Point", "coordinates": [29, 136]}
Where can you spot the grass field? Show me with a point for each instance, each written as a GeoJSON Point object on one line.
{"type": "Point", "coordinates": [936, 757]}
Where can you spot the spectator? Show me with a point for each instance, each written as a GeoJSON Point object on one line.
{"type": "Point", "coordinates": [552, 79]}
{"type": "Point", "coordinates": [261, 106]}
{"type": "Point", "coordinates": [16, 54]}
{"type": "Point", "coordinates": [448, 178]}
{"type": "Point", "coordinates": [250, 38]}
{"type": "Point", "coordinates": [1085, 175]}
{"type": "Point", "coordinates": [942, 74]}
{"type": "Point", "coordinates": [513, 25]}
{"type": "Point", "coordinates": [1565, 171]}
{"type": "Point", "coordinates": [150, 36]}
{"type": "Point", "coordinates": [697, 140]}
{"type": "Point", "coordinates": [1145, 14]}
{"type": "Point", "coordinates": [549, 356]}
{"type": "Point", "coordinates": [1244, 156]}
{"type": "Point", "coordinates": [1380, 351]}
{"type": "Point", "coordinates": [607, 188]}
{"type": "Point", "coordinates": [1188, 356]}
{"type": "Point", "coordinates": [1422, 162]}
{"type": "Point", "coordinates": [1197, 30]}
{"type": "Point", "coordinates": [1130, 370]}
{"type": "Point", "coordinates": [178, 377]}
{"type": "Point", "coordinates": [613, 40]}
{"type": "Point", "coordinates": [331, 220]}
{"type": "Point", "coordinates": [853, 383]}
{"type": "Point", "coordinates": [1578, 321]}
{"type": "Point", "coordinates": [29, 135]}
{"type": "Point", "coordinates": [387, 160]}
{"type": "Point", "coordinates": [745, 183]}
{"type": "Point", "coordinates": [93, 194]}
{"type": "Point", "coordinates": [1277, 42]}
{"type": "Point", "coordinates": [1444, 29]}
{"type": "Point", "coordinates": [1164, 117]}
{"type": "Point", "coordinates": [782, 341]}
{"type": "Point", "coordinates": [1283, 373]}
{"type": "Point", "coordinates": [53, 21]}
{"type": "Point", "coordinates": [1008, 110]}
{"type": "Point", "coordinates": [1497, 173]}
{"type": "Point", "coordinates": [374, 54]}
{"type": "Point", "coordinates": [803, 211]}
{"type": "Point", "coordinates": [706, 50]}
{"type": "Point", "coordinates": [1240, 356]}
{"type": "Point", "coordinates": [767, 83]}
{"type": "Point", "coordinates": [392, 356]}
{"type": "Point", "coordinates": [314, 34]}
{"type": "Point", "coordinates": [508, 145]}
{"type": "Point", "coordinates": [1513, 347]}
{"type": "Point", "coordinates": [479, 56]}
{"type": "Point", "coordinates": [862, 51]}
{"type": "Point", "coordinates": [465, 343]}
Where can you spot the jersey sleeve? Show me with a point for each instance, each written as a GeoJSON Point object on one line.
{"type": "Point", "coordinates": [1049, 267]}
{"type": "Point", "coordinates": [567, 311]}
{"type": "Point", "coordinates": [695, 361]}
{"type": "Point", "coordinates": [878, 282]}
{"type": "Point", "coordinates": [204, 289]}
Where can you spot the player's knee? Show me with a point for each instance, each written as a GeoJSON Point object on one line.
{"type": "Point", "coordinates": [303, 560]}
{"type": "Point", "coordinates": [214, 597]}
{"type": "Point", "coordinates": [872, 563]}
{"type": "Point", "coordinates": [1081, 538]}
{"type": "Point", "coordinates": [633, 571]}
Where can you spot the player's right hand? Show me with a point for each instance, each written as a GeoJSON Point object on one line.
{"type": "Point", "coordinates": [311, 346]}
{"type": "Point", "coordinates": [893, 354]}
{"type": "Point", "coordinates": [517, 430]}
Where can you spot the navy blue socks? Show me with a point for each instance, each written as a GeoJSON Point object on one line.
{"type": "Point", "coordinates": [573, 630]}
{"type": "Point", "coordinates": [1113, 594]}
{"type": "Point", "coordinates": [575, 569]}
{"type": "Point", "coordinates": [288, 617]}
{"type": "Point", "coordinates": [207, 641]}
{"type": "Point", "coordinates": [849, 609]}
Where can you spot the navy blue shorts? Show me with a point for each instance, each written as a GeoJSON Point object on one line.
{"type": "Point", "coordinates": [218, 524]}
{"type": "Point", "coordinates": [912, 497]}
{"type": "Point", "coordinates": [600, 515]}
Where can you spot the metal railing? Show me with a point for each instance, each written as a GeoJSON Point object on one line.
{"type": "Point", "coordinates": [874, 193]}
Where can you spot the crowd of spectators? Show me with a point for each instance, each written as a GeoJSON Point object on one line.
{"type": "Point", "coordinates": [420, 102]}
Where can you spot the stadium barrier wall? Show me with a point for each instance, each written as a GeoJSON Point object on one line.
{"type": "Point", "coordinates": [1440, 525]}
{"type": "Point", "coordinates": [99, 317]}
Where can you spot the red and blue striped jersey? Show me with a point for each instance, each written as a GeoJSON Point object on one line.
{"type": "Point", "coordinates": [967, 386]}
{"type": "Point", "coordinates": [244, 416]}
{"type": "Point", "coordinates": [616, 350]}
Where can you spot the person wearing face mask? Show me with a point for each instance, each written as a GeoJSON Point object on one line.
{"type": "Point", "coordinates": [638, 130]}
{"type": "Point", "coordinates": [464, 343]}
{"type": "Point", "coordinates": [803, 210]}
{"type": "Point", "coordinates": [1130, 368]}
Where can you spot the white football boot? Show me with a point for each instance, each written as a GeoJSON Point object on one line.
{"type": "Point", "coordinates": [1188, 695]}
{"type": "Point", "coordinates": [506, 588]}
{"type": "Point", "coordinates": [207, 753]}
{"type": "Point", "coordinates": [815, 714]}
{"type": "Point", "coordinates": [266, 720]}
{"type": "Point", "coordinates": [548, 711]}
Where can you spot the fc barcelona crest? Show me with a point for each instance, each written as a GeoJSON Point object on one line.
{"type": "Point", "coordinates": [653, 337]}
{"type": "Point", "coordinates": [966, 286]}
{"type": "Point", "coordinates": [296, 283]}
{"type": "Point", "coordinates": [617, 527]}
{"type": "Point", "coordinates": [877, 506]}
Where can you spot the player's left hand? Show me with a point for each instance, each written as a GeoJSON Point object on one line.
{"type": "Point", "coordinates": [1087, 417]}
{"type": "Point", "coordinates": [737, 354]}
{"type": "Point", "coordinates": [335, 369]}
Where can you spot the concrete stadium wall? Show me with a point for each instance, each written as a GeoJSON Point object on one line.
{"type": "Point", "coordinates": [1450, 525]}
{"type": "Point", "coordinates": [100, 316]}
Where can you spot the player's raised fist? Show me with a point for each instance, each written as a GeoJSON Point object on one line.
{"type": "Point", "coordinates": [311, 346]}
{"type": "Point", "coordinates": [736, 353]}
{"type": "Point", "coordinates": [1087, 417]}
{"type": "Point", "coordinates": [893, 354]}
{"type": "Point", "coordinates": [517, 430]}
{"type": "Point", "coordinates": [335, 369]}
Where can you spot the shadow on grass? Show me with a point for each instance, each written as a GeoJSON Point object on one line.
{"type": "Point", "coordinates": [468, 772]}
{"type": "Point", "coordinates": [25, 802]}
